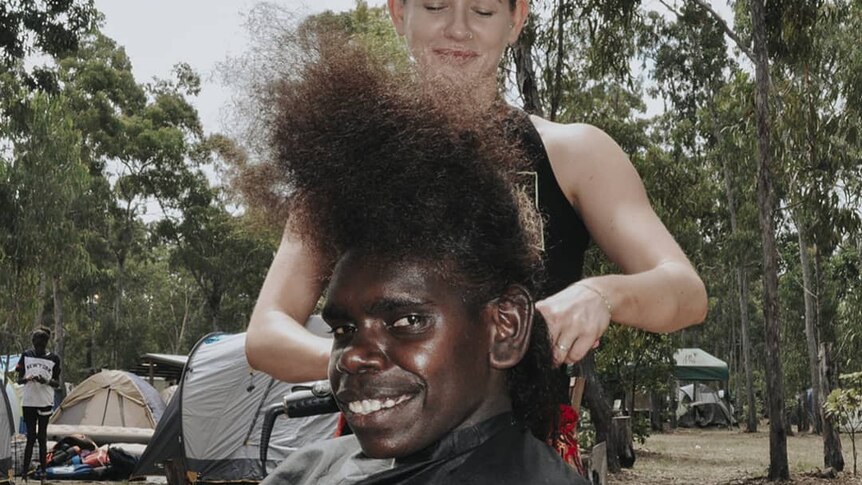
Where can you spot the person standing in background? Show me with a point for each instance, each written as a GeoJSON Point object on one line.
{"type": "Point", "coordinates": [38, 372]}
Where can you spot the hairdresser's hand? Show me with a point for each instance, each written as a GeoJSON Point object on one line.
{"type": "Point", "coordinates": [576, 317]}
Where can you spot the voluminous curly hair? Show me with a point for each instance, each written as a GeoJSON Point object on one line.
{"type": "Point", "coordinates": [370, 160]}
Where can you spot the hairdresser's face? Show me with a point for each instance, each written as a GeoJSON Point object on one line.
{"type": "Point", "coordinates": [409, 360]}
{"type": "Point", "coordinates": [458, 37]}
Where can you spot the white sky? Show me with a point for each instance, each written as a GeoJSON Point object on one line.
{"type": "Point", "coordinates": [157, 34]}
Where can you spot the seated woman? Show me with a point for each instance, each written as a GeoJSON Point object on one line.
{"type": "Point", "coordinates": [439, 362]}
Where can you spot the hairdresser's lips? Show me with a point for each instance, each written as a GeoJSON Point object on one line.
{"type": "Point", "coordinates": [455, 55]}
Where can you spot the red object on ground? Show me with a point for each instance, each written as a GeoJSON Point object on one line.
{"type": "Point", "coordinates": [566, 442]}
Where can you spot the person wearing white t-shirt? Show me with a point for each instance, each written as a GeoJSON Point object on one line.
{"type": "Point", "coordinates": [39, 373]}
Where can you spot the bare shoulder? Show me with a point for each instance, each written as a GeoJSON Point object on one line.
{"type": "Point", "coordinates": [577, 135]}
{"type": "Point", "coordinates": [581, 156]}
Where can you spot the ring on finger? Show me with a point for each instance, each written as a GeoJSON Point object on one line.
{"type": "Point", "coordinates": [562, 347]}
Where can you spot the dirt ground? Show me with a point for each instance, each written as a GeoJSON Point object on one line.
{"type": "Point", "coordinates": [711, 456]}
{"type": "Point", "coordinates": [727, 457]}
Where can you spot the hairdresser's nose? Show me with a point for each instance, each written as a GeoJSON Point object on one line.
{"type": "Point", "coordinates": [363, 352]}
{"type": "Point", "coordinates": [457, 26]}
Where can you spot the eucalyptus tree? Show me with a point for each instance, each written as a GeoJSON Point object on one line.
{"type": "Point", "coordinates": [222, 253]}
{"type": "Point", "coordinates": [691, 71]}
{"type": "Point", "coordinates": [46, 176]}
{"type": "Point", "coordinates": [752, 40]}
{"type": "Point", "coordinates": [815, 124]}
{"type": "Point", "coordinates": [28, 28]}
{"type": "Point", "coordinates": [137, 138]}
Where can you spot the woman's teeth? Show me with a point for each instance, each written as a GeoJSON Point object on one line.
{"type": "Point", "coordinates": [368, 406]}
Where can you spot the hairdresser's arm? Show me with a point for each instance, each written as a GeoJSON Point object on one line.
{"type": "Point", "coordinates": [278, 342]}
{"type": "Point", "coordinates": [659, 291]}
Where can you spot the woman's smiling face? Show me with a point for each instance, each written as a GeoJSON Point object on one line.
{"type": "Point", "coordinates": [458, 37]}
{"type": "Point", "coordinates": [409, 359]}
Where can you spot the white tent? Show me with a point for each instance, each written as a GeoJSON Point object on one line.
{"type": "Point", "coordinates": [7, 429]}
{"type": "Point", "coordinates": [698, 404]}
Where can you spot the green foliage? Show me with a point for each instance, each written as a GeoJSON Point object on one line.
{"type": "Point", "coordinates": [633, 361]}
{"type": "Point", "coordinates": [83, 165]}
{"type": "Point", "coordinates": [52, 28]}
{"type": "Point", "coordinates": [845, 405]}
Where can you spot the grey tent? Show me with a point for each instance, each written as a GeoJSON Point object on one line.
{"type": "Point", "coordinates": [7, 429]}
{"type": "Point", "coordinates": [700, 405]}
{"type": "Point", "coordinates": [211, 429]}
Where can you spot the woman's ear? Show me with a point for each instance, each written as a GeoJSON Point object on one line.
{"type": "Point", "coordinates": [519, 18]}
{"type": "Point", "coordinates": [510, 319]}
{"type": "Point", "coordinates": [396, 13]}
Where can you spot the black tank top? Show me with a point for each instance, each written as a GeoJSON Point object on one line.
{"type": "Point", "coordinates": [565, 235]}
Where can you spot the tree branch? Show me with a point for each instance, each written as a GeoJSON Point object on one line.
{"type": "Point", "coordinates": [671, 8]}
{"type": "Point", "coordinates": [727, 30]}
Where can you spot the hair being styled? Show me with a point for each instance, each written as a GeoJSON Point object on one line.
{"type": "Point", "coordinates": [370, 160]}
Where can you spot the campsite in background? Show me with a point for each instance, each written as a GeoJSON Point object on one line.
{"type": "Point", "coordinates": [119, 230]}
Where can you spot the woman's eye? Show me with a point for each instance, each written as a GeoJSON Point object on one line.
{"type": "Point", "coordinates": [408, 321]}
{"type": "Point", "coordinates": [484, 13]}
{"type": "Point", "coordinates": [434, 7]}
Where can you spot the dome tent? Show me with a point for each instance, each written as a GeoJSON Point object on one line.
{"type": "Point", "coordinates": [111, 398]}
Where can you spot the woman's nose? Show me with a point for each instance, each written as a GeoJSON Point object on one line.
{"type": "Point", "coordinates": [364, 353]}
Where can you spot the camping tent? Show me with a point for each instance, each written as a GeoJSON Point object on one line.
{"type": "Point", "coordinates": [13, 394]}
{"type": "Point", "coordinates": [698, 365]}
{"type": "Point", "coordinates": [701, 406]}
{"type": "Point", "coordinates": [111, 398]}
{"type": "Point", "coordinates": [212, 426]}
{"type": "Point", "coordinates": [7, 429]}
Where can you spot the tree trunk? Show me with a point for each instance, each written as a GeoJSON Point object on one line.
{"type": "Point", "coordinates": [41, 293]}
{"type": "Point", "coordinates": [522, 53]}
{"type": "Point", "coordinates": [118, 298]}
{"type": "Point", "coordinates": [214, 307]}
{"type": "Point", "coordinates": [778, 467]}
{"type": "Point", "coordinates": [621, 437]}
{"type": "Point", "coordinates": [742, 284]}
{"type": "Point", "coordinates": [59, 329]}
{"type": "Point", "coordinates": [600, 409]}
{"type": "Point", "coordinates": [808, 289]}
{"type": "Point", "coordinates": [656, 407]}
{"type": "Point", "coordinates": [832, 455]}
{"type": "Point", "coordinates": [182, 335]}
{"type": "Point", "coordinates": [557, 89]}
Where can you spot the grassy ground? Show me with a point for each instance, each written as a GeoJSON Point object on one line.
{"type": "Point", "coordinates": [716, 456]}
